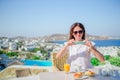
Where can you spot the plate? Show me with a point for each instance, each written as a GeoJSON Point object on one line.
{"type": "Point", "coordinates": [83, 77]}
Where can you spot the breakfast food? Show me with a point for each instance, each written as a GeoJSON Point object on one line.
{"type": "Point", "coordinates": [89, 73]}
{"type": "Point", "coordinates": [78, 74]}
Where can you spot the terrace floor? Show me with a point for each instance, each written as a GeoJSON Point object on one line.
{"type": "Point", "coordinates": [10, 72]}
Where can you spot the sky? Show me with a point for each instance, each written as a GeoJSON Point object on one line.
{"type": "Point", "coordinates": [35, 18]}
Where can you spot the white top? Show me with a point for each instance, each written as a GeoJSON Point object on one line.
{"type": "Point", "coordinates": [79, 55]}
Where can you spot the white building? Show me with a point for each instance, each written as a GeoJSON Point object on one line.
{"type": "Point", "coordinates": [12, 46]}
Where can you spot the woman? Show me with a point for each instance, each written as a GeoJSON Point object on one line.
{"type": "Point", "coordinates": [79, 54]}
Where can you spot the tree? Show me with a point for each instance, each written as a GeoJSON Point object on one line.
{"type": "Point", "coordinates": [2, 52]}
{"type": "Point", "coordinates": [19, 44]}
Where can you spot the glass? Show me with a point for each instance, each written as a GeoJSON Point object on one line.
{"type": "Point", "coordinates": [67, 69]}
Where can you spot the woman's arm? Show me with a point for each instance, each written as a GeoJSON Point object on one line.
{"type": "Point", "coordinates": [64, 50]}
{"type": "Point", "coordinates": [97, 54]}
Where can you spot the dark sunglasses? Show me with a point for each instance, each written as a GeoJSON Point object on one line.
{"type": "Point", "coordinates": [80, 32]}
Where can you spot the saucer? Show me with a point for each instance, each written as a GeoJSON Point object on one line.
{"type": "Point", "coordinates": [81, 78]}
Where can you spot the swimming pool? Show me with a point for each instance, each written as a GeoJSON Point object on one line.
{"type": "Point", "coordinates": [37, 62]}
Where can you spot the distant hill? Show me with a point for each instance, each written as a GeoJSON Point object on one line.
{"type": "Point", "coordinates": [58, 37]}
{"type": "Point", "coordinates": [62, 37]}
{"type": "Point", "coordinates": [95, 37]}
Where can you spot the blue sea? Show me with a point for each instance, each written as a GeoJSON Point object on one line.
{"type": "Point", "coordinates": [100, 43]}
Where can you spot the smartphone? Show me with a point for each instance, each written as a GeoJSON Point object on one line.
{"type": "Point", "coordinates": [81, 42]}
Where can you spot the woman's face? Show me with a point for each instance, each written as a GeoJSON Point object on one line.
{"type": "Point", "coordinates": [77, 33]}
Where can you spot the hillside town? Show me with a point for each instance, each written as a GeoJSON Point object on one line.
{"type": "Point", "coordinates": [25, 45]}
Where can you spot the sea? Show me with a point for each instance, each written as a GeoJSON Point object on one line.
{"type": "Point", "coordinates": [100, 43]}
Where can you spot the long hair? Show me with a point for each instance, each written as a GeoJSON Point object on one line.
{"type": "Point", "coordinates": [73, 26]}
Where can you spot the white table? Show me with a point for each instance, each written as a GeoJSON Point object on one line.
{"type": "Point", "coordinates": [36, 77]}
{"type": "Point", "coordinates": [60, 75]}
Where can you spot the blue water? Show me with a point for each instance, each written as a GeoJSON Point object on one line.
{"type": "Point", "coordinates": [37, 62]}
{"type": "Point", "coordinates": [100, 42]}
{"type": "Point", "coordinates": [107, 42]}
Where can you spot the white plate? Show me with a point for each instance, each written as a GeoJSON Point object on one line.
{"type": "Point", "coordinates": [83, 77]}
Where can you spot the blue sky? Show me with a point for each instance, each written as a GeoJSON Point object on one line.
{"type": "Point", "coordinates": [34, 18]}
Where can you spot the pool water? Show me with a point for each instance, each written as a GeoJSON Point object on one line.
{"type": "Point", "coordinates": [37, 62]}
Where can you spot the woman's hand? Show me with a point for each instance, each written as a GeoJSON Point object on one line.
{"type": "Point", "coordinates": [70, 42]}
{"type": "Point", "coordinates": [98, 55]}
{"type": "Point", "coordinates": [64, 50]}
{"type": "Point", "coordinates": [88, 43]}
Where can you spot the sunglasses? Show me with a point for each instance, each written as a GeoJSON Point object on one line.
{"type": "Point", "coordinates": [80, 32]}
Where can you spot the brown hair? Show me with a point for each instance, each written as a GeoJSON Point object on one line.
{"type": "Point", "coordinates": [73, 26]}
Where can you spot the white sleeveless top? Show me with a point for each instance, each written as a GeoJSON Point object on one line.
{"type": "Point", "coordinates": [79, 55]}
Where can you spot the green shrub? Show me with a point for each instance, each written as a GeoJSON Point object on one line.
{"type": "Point", "coordinates": [94, 61]}
{"type": "Point", "coordinates": [11, 54]}
{"type": "Point", "coordinates": [2, 52]}
{"type": "Point", "coordinates": [115, 61]}
{"type": "Point", "coordinates": [107, 57]}
{"type": "Point", "coordinates": [37, 58]}
{"type": "Point", "coordinates": [35, 50]}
